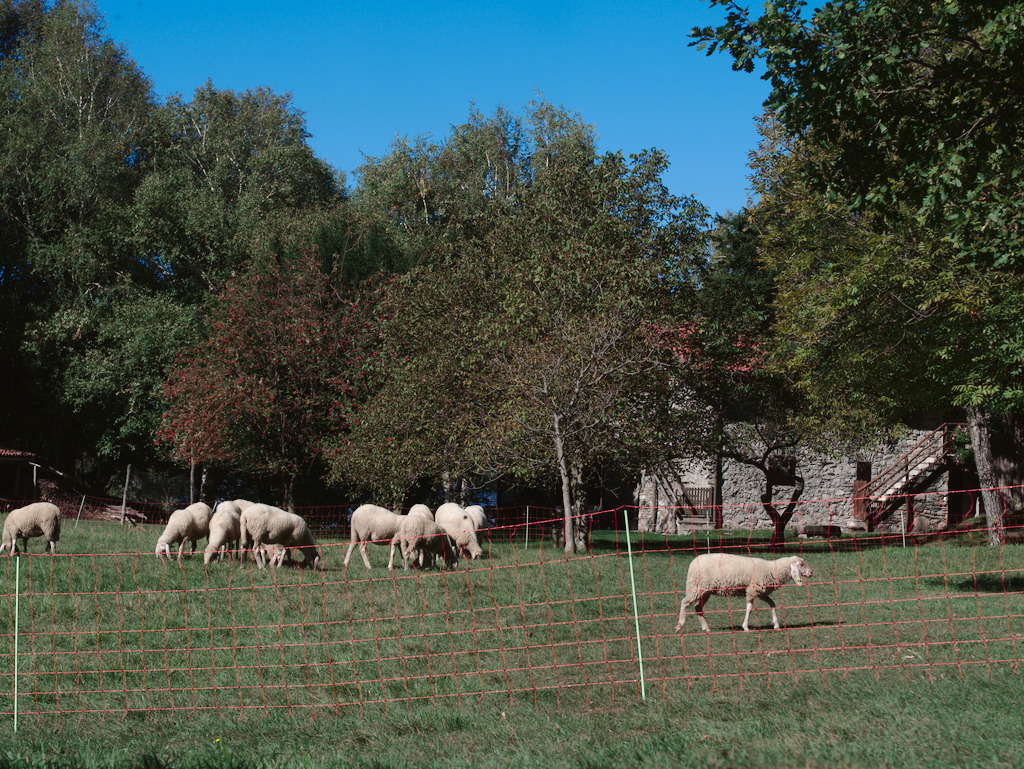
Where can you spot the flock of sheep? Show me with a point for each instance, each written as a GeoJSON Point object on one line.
{"type": "Point", "coordinates": [270, 533]}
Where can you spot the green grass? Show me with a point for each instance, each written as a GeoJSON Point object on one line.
{"type": "Point", "coordinates": [525, 658]}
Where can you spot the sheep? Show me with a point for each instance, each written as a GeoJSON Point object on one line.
{"type": "Point", "coordinates": [422, 511]}
{"type": "Point", "coordinates": [462, 527]}
{"type": "Point", "coordinates": [264, 526]}
{"type": "Point", "coordinates": [371, 523]}
{"type": "Point", "coordinates": [725, 574]}
{"type": "Point", "coordinates": [225, 528]}
{"type": "Point", "coordinates": [476, 512]}
{"type": "Point", "coordinates": [420, 537]}
{"type": "Point", "coordinates": [40, 519]}
{"type": "Point", "coordinates": [190, 525]}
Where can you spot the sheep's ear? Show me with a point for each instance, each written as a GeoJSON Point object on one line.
{"type": "Point", "coordinates": [794, 569]}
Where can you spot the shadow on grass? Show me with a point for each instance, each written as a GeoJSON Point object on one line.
{"type": "Point", "coordinates": [696, 631]}
{"type": "Point", "coordinates": [983, 583]}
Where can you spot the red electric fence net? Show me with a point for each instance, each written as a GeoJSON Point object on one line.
{"type": "Point", "coordinates": [105, 629]}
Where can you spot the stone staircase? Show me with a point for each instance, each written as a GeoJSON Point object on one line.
{"type": "Point", "coordinates": [874, 499]}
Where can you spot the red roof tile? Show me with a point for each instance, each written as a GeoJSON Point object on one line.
{"type": "Point", "coordinates": [8, 453]}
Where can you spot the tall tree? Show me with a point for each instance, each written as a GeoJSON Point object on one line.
{"type": "Point", "coordinates": [916, 111]}
{"type": "Point", "coordinates": [754, 410]}
{"type": "Point", "coordinates": [277, 373]}
{"type": "Point", "coordinates": [535, 347]}
{"type": "Point", "coordinates": [76, 117]}
{"type": "Point", "coordinates": [233, 177]}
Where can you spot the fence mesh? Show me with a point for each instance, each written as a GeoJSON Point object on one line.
{"type": "Point", "coordinates": [107, 630]}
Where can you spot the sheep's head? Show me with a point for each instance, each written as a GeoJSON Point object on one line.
{"type": "Point", "coordinates": [799, 569]}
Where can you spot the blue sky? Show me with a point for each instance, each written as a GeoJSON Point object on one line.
{"type": "Point", "coordinates": [366, 71]}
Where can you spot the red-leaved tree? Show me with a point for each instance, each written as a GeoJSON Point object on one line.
{"type": "Point", "coordinates": [281, 369]}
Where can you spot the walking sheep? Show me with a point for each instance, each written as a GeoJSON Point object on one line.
{"type": "Point", "coordinates": [40, 519]}
{"type": "Point", "coordinates": [725, 574]}
{"type": "Point", "coordinates": [265, 525]}
{"type": "Point", "coordinates": [371, 523]}
{"type": "Point", "coordinates": [423, 539]}
{"type": "Point", "coordinates": [190, 524]}
{"type": "Point", "coordinates": [462, 527]}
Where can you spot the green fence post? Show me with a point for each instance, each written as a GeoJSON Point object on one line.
{"type": "Point", "coordinates": [636, 611]}
{"type": "Point", "coordinates": [17, 612]}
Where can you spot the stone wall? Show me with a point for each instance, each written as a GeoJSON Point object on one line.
{"type": "Point", "coordinates": [826, 499]}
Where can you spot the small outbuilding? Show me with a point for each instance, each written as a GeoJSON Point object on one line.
{"type": "Point", "coordinates": [17, 474]}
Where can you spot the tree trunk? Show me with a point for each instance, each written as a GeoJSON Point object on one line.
{"type": "Point", "coordinates": [781, 520]}
{"type": "Point", "coordinates": [981, 442]}
{"type": "Point", "coordinates": [289, 493]}
{"type": "Point", "coordinates": [580, 524]}
{"type": "Point", "coordinates": [566, 476]}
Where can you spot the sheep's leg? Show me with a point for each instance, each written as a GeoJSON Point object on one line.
{"type": "Point", "coordinates": [181, 549]}
{"type": "Point", "coordinates": [408, 552]}
{"type": "Point", "coordinates": [775, 617]}
{"type": "Point", "coordinates": [259, 554]}
{"type": "Point", "coordinates": [363, 547]}
{"type": "Point", "coordinates": [699, 609]}
{"type": "Point", "coordinates": [391, 555]}
{"type": "Point", "coordinates": [746, 617]}
{"type": "Point", "coordinates": [348, 553]}
{"type": "Point", "coordinates": [682, 611]}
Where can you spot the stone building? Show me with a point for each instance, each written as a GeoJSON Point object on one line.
{"type": "Point", "coordinates": [913, 485]}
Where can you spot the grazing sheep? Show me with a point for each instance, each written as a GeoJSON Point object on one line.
{"type": "Point", "coordinates": [422, 511]}
{"type": "Point", "coordinates": [40, 519]}
{"type": "Point", "coordinates": [420, 537]}
{"type": "Point", "coordinates": [264, 526]}
{"type": "Point", "coordinates": [371, 523]}
{"type": "Point", "coordinates": [462, 526]}
{"type": "Point", "coordinates": [476, 512]}
{"type": "Point", "coordinates": [225, 529]}
{"type": "Point", "coordinates": [725, 574]}
{"type": "Point", "coordinates": [188, 525]}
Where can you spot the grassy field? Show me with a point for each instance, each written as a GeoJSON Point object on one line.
{"type": "Point", "coordinates": [891, 656]}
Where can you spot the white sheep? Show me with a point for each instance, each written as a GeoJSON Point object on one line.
{"type": "Point", "coordinates": [421, 538]}
{"type": "Point", "coordinates": [190, 524]}
{"type": "Point", "coordinates": [225, 529]}
{"type": "Point", "coordinates": [371, 523]}
{"type": "Point", "coordinates": [462, 527]}
{"type": "Point", "coordinates": [264, 526]}
{"type": "Point", "coordinates": [40, 519]}
{"type": "Point", "coordinates": [422, 511]}
{"type": "Point", "coordinates": [726, 574]}
{"type": "Point", "coordinates": [476, 512]}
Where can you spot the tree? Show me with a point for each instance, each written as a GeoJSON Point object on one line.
{"type": "Point", "coordinates": [277, 373]}
{"type": "Point", "coordinates": [76, 117]}
{"type": "Point", "coordinates": [435, 197]}
{"type": "Point", "coordinates": [535, 348]}
{"type": "Point", "coordinates": [754, 410]}
{"type": "Point", "coordinates": [587, 272]}
{"type": "Point", "coordinates": [915, 111]}
{"type": "Point", "coordinates": [233, 178]}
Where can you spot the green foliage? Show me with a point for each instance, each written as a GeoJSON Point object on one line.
{"type": "Point", "coordinates": [76, 119]}
{"type": "Point", "coordinates": [115, 354]}
{"type": "Point", "coordinates": [918, 103]}
{"type": "Point", "coordinates": [540, 298]}
{"type": "Point", "coordinates": [277, 372]}
{"type": "Point", "coordinates": [909, 140]}
{"type": "Point", "coordinates": [233, 174]}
